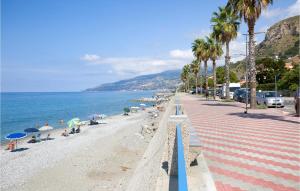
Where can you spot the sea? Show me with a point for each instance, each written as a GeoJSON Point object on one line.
{"type": "Point", "coordinates": [31, 109]}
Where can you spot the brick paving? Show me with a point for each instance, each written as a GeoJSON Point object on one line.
{"type": "Point", "coordinates": [256, 151]}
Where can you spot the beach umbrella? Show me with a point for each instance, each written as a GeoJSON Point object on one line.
{"type": "Point", "coordinates": [15, 136]}
{"type": "Point", "coordinates": [102, 116]}
{"type": "Point", "coordinates": [73, 122]}
{"type": "Point", "coordinates": [31, 130]}
{"type": "Point", "coordinates": [94, 116]}
{"type": "Point", "coordinates": [46, 128]}
{"type": "Point", "coordinates": [97, 116]}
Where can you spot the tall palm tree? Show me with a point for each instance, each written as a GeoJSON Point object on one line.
{"type": "Point", "coordinates": [195, 70]}
{"type": "Point", "coordinates": [205, 54]}
{"type": "Point", "coordinates": [197, 48]}
{"type": "Point", "coordinates": [185, 76]}
{"type": "Point", "coordinates": [250, 10]}
{"type": "Point", "coordinates": [216, 51]}
{"type": "Point", "coordinates": [225, 26]}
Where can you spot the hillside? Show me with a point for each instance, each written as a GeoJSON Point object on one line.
{"type": "Point", "coordinates": [282, 39]}
{"type": "Point", "coordinates": [164, 80]}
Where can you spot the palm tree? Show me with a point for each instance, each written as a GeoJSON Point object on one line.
{"type": "Point", "coordinates": [197, 48]}
{"type": "Point", "coordinates": [205, 57]}
{"type": "Point", "coordinates": [250, 10]}
{"type": "Point", "coordinates": [225, 26]}
{"type": "Point", "coordinates": [215, 52]}
{"type": "Point", "coordinates": [195, 70]}
{"type": "Point", "coordinates": [185, 76]}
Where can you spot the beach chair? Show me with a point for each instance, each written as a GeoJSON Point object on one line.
{"type": "Point", "coordinates": [38, 137]}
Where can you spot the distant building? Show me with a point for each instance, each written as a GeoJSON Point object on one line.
{"type": "Point", "coordinates": [291, 62]}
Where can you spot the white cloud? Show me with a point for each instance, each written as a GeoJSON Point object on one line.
{"type": "Point", "coordinates": [271, 13]}
{"type": "Point", "coordinates": [294, 9]}
{"type": "Point", "coordinates": [134, 66]}
{"type": "Point", "coordinates": [280, 13]}
{"type": "Point", "coordinates": [201, 34]}
{"type": "Point", "coordinates": [90, 57]}
{"type": "Point", "coordinates": [182, 54]}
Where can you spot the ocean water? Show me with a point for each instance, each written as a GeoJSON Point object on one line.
{"type": "Point", "coordinates": [23, 110]}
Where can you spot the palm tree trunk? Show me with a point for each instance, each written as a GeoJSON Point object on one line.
{"type": "Point", "coordinates": [206, 77]}
{"type": "Point", "coordinates": [196, 78]}
{"type": "Point", "coordinates": [252, 69]}
{"type": "Point", "coordinates": [188, 83]}
{"type": "Point", "coordinates": [200, 82]}
{"type": "Point", "coordinates": [227, 77]}
{"type": "Point", "coordinates": [215, 78]}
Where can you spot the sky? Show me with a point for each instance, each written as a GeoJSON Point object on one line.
{"type": "Point", "coordinates": [71, 45]}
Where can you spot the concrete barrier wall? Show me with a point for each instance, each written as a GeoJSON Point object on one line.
{"type": "Point", "coordinates": [147, 171]}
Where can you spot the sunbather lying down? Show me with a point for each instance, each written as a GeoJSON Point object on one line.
{"type": "Point", "coordinates": [92, 122]}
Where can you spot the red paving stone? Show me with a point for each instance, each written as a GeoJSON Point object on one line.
{"type": "Point", "coordinates": [255, 151]}
{"type": "Point", "coordinates": [252, 180]}
{"type": "Point", "coordinates": [248, 143]}
{"type": "Point", "coordinates": [225, 187]}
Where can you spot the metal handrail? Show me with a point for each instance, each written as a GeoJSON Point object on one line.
{"type": "Point", "coordinates": [182, 180]}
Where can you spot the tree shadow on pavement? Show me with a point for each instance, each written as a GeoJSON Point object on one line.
{"type": "Point", "coordinates": [263, 116]}
{"type": "Point", "coordinates": [221, 105]}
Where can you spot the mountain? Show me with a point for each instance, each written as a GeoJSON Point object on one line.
{"type": "Point", "coordinates": [164, 80]}
{"type": "Point", "coordinates": [282, 39]}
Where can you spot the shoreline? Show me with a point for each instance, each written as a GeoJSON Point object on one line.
{"type": "Point", "coordinates": [106, 153]}
{"type": "Point", "coordinates": [5, 142]}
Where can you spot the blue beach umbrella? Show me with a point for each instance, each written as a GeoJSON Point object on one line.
{"type": "Point", "coordinates": [31, 130]}
{"type": "Point", "coordinates": [15, 136]}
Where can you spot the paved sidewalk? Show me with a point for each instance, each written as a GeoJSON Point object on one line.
{"type": "Point", "coordinates": [255, 151]}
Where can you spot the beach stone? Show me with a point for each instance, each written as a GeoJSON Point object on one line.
{"type": "Point", "coordinates": [172, 143]}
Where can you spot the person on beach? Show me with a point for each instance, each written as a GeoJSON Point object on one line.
{"type": "Point", "coordinates": [11, 145]}
{"type": "Point", "coordinates": [78, 129]}
{"type": "Point", "coordinates": [33, 139]}
{"type": "Point", "coordinates": [65, 133]}
{"type": "Point", "coordinates": [72, 130]}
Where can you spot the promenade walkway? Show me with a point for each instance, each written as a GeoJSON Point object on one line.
{"type": "Point", "coordinates": [255, 151]}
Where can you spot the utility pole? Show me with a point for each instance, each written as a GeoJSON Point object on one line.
{"type": "Point", "coordinates": [276, 91]}
{"type": "Point", "coordinates": [246, 68]}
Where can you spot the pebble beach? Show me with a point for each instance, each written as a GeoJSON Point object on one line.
{"type": "Point", "coordinates": [101, 157]}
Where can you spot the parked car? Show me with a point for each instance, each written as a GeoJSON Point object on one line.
{"type": "Point", "coordinates": [237, 94]}
{"type": "Point", "coordinates": [297, 101]}
{"type": "Point", "coordinates": [218, 92]}
{"type": "Point", "coordinates": [270, 99]}
{"type": "Point", "coordinates": [243, 96]}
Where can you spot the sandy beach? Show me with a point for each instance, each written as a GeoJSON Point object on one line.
{"type": "Point", "coordinates": [101, 157]}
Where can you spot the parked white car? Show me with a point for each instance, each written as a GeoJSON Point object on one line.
{"type": "Point", "coordinates": [270, 99]}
